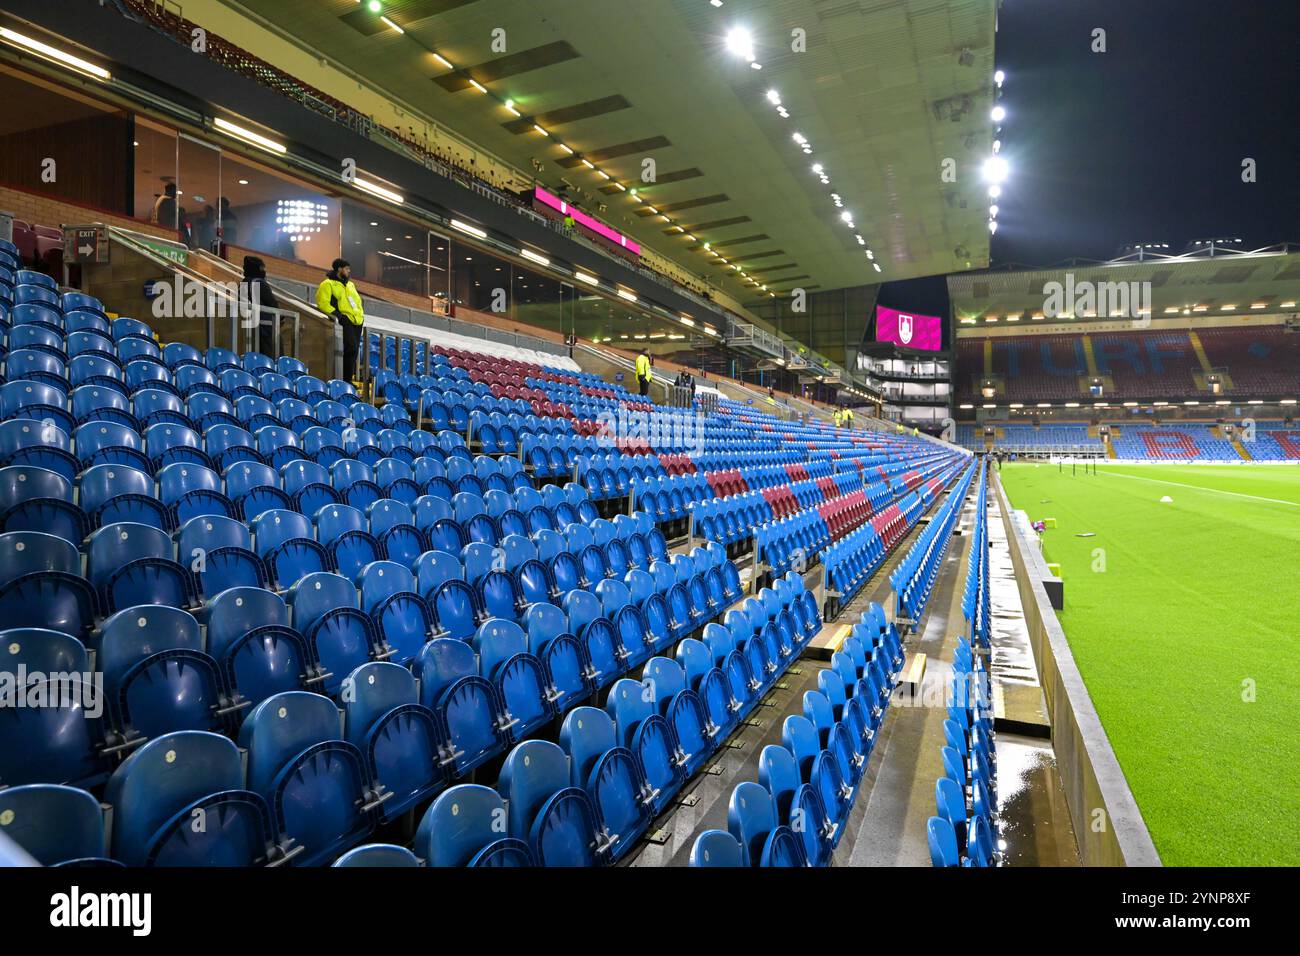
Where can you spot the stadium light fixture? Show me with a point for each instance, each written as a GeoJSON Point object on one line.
{"type": "Point", "coordinates": [393, 25]}
{"type": "Point", "coordinates": [998, 114]}
{"type": "Point", "coordinates": [540, 260]}
{"type": "Point", "coordinates": [1287, 401]}
{"type": "Point", "coordinates": [467, 228]}
{"type": "Point", "coordinates": [741, 42]}
{"type": "Point", "coordinates": [53, 54]}
{"type": "Point", "coordinates": [586, 277]}
{"type": "Point", "coordinates": [998, 77]}
{"type": "Point", "coordinates": [995, 170]}
{"type": "Point", "coordinates": [624, 294]}
{"type": "Point", "coordinates": [383, 192]}
{"type": "Point", "coordinates": [249, 136]}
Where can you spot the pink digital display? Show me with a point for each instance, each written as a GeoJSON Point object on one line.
{"type": "Point", "coordinates": [909, 330]}
{"type": "Point", "coordinates": [582, 219]}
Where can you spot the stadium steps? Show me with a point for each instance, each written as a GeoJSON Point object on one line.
{"type": "Point", "coordinates": [1240, 448]}
{"type": "Point", "coordinates": [1089, 356]}
{"type": "Point", "coordinates": [1110, 448]}
{"type": "Point", "coordinates": [1199, 349]}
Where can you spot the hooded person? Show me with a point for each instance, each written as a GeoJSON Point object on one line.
{"type": "Point", "coordinates": [261, 297]}
{"type": "Point", "coordinates": [337, 296]}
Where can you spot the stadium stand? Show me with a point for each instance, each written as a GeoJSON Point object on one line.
{"type": "Point", "coordinates": [1260, 362]}
{"type": "Point", "coordinates": [373, 601]}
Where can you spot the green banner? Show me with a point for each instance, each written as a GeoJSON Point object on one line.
{"type": "Point", "coordinates": [178, 254]}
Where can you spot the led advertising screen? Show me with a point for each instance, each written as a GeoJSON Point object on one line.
{"type": "Point", "coordinates": [909, 330]}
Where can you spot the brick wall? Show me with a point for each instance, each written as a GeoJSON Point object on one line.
{"type": "Point", "coordinates": [44, 210]}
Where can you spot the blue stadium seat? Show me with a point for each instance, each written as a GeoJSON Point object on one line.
{"type": "Point", "coordinates": [249, 636]}
{"type": "Point", "coordinates": [341, 636]}
{"type": "Point", "coordinates": [316, 784]}
{"type": "Point", "coordinates": [57, 825]}
{"type": "Point", "coordinates": [557, 820]}
{"type": "Point", "coordinates": [472, 715]}
{"type": "Point", "coordinates": [462, 828]}
{"type": "Point", "coordinates": [717, 848]}
{"type": "Point", "coordinates": [751, 819]}
{"type": "Point", "coordinates": [400, 739]}
{"type": "Point", "coordinates": [378, 855]}
{"type": "Point", "coordinates": [159, 791]}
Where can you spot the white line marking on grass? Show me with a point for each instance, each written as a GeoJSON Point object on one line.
{"type": "Point", "coordinates": [1208, 491]}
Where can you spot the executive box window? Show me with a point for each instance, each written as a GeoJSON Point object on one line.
{"type": "Point", "coordinates": [61, 144]}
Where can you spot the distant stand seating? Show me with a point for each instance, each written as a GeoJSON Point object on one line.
{"type": "Point", "coordinates": [1259, 361]}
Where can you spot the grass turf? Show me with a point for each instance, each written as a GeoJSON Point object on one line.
{"type": "Point", "coordinates": [1198, 602]}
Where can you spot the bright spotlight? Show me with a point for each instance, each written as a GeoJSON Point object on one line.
{"type": "Point", "coordinates": [998, 114]}
{"type": "Point", "coordinates": [998, 77]}
{"type": "Point", "coordinates": [995, 192]}
{"type": "Point", "coordinates": [993, 226]}
{"type": "Point", "coordinates": [741, 42]}
{"type": "Point", "coordinates": [995, 170]}
{"type": "Point", "coordinates": [774, 97]}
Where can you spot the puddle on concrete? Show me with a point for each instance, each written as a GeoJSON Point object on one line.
{"type": "Point", "coordinates": [1036, 829]}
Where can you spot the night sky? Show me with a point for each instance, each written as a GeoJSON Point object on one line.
{"type": "Point", "coordinates": [1142, 143]}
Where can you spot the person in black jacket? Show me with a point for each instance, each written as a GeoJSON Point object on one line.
{"type": "Point", "coordinates": [261, 294]}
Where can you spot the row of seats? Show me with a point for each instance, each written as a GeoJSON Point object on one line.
{"type": "Point", "coordinates": [796, 813]}
{"type": "Point", "coordinates": [915, 575]}
{"type": "Point", "coordinates": [319, 779]}
{"type": "Point", "coordinates": [965, 831]}
{"type": "Point", "coordinates": [587, 800]}
{"type": "Point", "coordinates": [976, 598]}
{"type": "Point", "coordinates": [253, 647]}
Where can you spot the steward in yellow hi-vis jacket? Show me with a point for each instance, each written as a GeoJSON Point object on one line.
{"type": "Point", "coordinates": [338, 297]}
{"type": "Point", "coordinates": [643, 372]}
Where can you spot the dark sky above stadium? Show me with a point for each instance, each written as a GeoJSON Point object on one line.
{"type": "Point", "coordinates": [1144, 142]}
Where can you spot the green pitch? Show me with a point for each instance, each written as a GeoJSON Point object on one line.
{"type": "Point", "coordinates": [1184, 618]}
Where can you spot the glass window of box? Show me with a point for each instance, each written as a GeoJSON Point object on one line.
{"type": "Point", "coordinates": [263, 212]}
{"type": "Point", "coordinates": [385, 250]}
{"type": "Point", "coordinates": [154, 187]}
{"type": "Point", "coordinates": [45, 132]}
